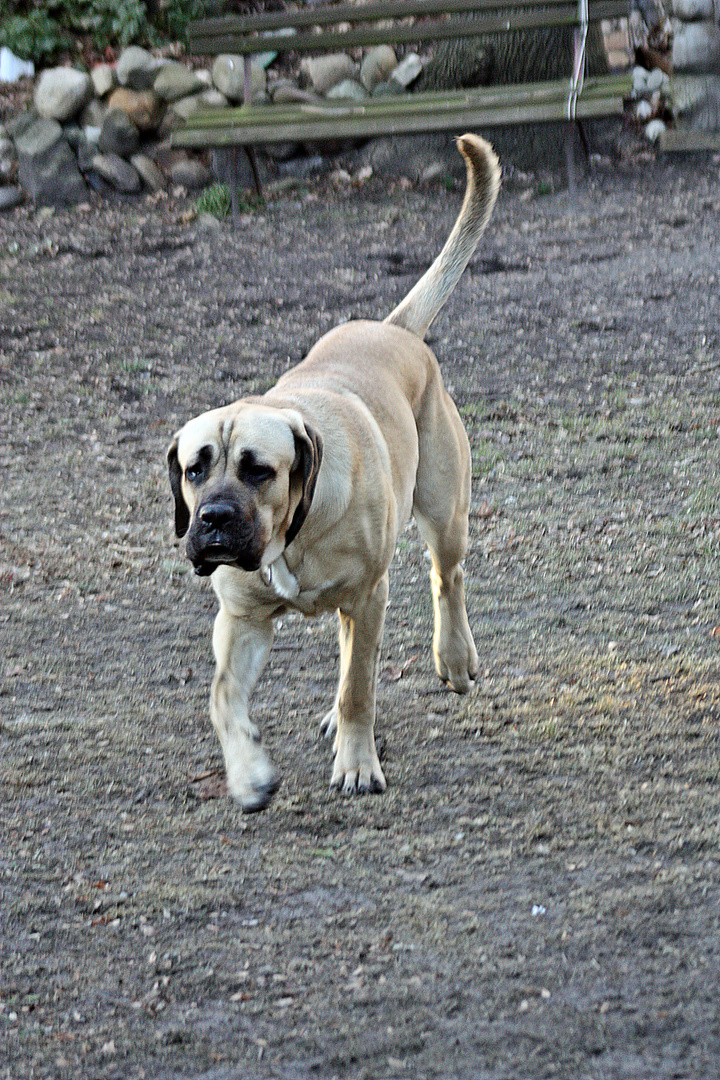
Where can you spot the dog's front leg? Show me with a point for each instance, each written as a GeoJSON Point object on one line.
{"type": "Point", "coordinates": [241, 650]}
{"type": "Point", "coordinates": [356, 767]}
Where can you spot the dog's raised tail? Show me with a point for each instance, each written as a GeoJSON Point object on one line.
{"type": "Point", "coordinates": [425, 299]}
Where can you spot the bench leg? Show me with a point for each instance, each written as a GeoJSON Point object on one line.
{"type": "Point", "coordinates": [570, 159]}
{"type": "Point", "coordinates": [234, 184]}
{"type": "Point", "coordinates": [570, 155]}
{"type": "Point", "coordinates": [250, 151]}
{"type": "Point", "coordinates": [232, 178]}
{"type": "Point", "coordinates": [584, 140]}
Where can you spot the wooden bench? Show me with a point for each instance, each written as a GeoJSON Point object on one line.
{"type": "Point", "coordinates": [343, 27]}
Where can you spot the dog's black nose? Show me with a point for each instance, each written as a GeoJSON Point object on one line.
{"type": "Point", "coordinates": [217, 514]}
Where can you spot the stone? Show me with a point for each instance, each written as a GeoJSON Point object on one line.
{"type": "Point", "coordinates": [190, 173]}
{"type": "Point", "coordinates": [407, 70]}
{"type": "Point", "coordinates": [693, 10]}
{"type": "Point", "coordinates": [117, 172]}
{"type": "Point", "coordinates": [118, 135]}
{"type": "Point", "coordinates": [60, 93]}
{"type": "Point", "coordinates": [211, 99]}
{"type": "Point", "coordinates": [377, 66]}
{"type": "Point", "coordinates": [324, 72]}
{"type": "Point", "coordinates": [86, 149]}
{"type": "Point", "coordinates": [93, 114]}
{"type": "Point", "coordinates": [38, 137]}
{"type": "Point", "coordinates": [391, 88]}
{"type": "Point", "coordinates": [104, 79]}
{"type": "Point", "coordinates": [208, 221]}
{"type": "Point", "coordinates": [347, 90]}
{"type": "Point", "coordinates": [657, 80]}
{"type": "Point", "coordinates": [639, 79]}
{"type": "Point", "coordinates": [696, 101]}
{"type": "Point", "coordinates": [654, 130]}
{"type": "Point", "coordinates": [10, 197]}
{"type": "Point", "coordinates": [174, 81]}
{"type": "Point", "coordinates": [696, 47]}
{"type": "Point", "coordinates": [7, 156]}
{"type": "Point", "coordinates": [148, 172]}
{"type": "Point", "coordinates": [180, 111]}
{"type": "Point", "coordinates": [20, 123]}
{"type": "Point", "coordinates": [144, 107]}
{"type": "Point", "coordinates": [47, 167]}
{"type": "Point", "coordinates": [136, 68]}
{"type": "Point", "coordinates": [228, 75]}
{"type": "Point", "coordinates": [285, 92]}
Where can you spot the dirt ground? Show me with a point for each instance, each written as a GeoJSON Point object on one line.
{"type": "Point", "coordinates": [537, 893]}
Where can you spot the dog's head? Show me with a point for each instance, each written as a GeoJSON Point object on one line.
{"type": "Point", "coordinates": [243, 479]}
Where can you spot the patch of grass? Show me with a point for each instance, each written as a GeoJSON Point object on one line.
{"type": "Point", "coordinates": [216, 200]}
{"type": "Point", "coordinates": [485, 456]}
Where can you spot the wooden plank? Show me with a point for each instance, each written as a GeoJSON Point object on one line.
{"type": "Point", "coordinates": [329, 41]}
{"type": "Point", "coordinates": [679, 140]}
{"type": "Point", "coordinates": [333, 14]}
{"type": "Point", "coordinates": [563, 13]}
{"type": "Point", "coordinates": [493, 97]}
{"type": "Point", "coordinates": [353, 125]}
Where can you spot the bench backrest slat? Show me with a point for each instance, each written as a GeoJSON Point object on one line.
{"type": "Point", "coordinates": [207, 36]}
{"type": "Point", "coordinates": [333, 14]}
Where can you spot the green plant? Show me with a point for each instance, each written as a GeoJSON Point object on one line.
{"type": "Point", "coordinates": [108, 22]}
{"type": "Point", "coordinates": [176, 14]}
{"type": "Point", "coordinates": [215, 200]}
{"type": "Point", "coordinates": [34, 36]}
{"type": "Point", "coordinates": [42, 32]}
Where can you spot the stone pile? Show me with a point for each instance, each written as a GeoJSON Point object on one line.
{"type": "Point", "coordinates": [651, 96]}
{"type": "Point", "coordinates": [110, 129]}
{"type": "Point", "coordinates": [696, 63]}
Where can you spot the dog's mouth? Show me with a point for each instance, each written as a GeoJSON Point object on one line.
{"type": "Point", "coordinates": [207, 560]}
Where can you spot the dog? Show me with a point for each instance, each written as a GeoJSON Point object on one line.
{"type": "Point", "coordinates": [294, 500]}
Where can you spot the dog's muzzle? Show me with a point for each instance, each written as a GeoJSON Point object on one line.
{"type": "Point", "coordinates": [221, 534]}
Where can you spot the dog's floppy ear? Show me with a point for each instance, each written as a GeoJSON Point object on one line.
{"type": "Point", "coordinates": [308, 456]}
{"type": "Point", "coordinates": [182, 514]}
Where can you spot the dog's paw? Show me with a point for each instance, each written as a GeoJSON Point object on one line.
{"type": "Point", "coordinates": [253, 781]}
{"type": "Point", "coordinates": [456, 660]}
{"type": "Point", "coordinates": [459, 675]}
{"type": "Point", "coordinates": [356, 768]}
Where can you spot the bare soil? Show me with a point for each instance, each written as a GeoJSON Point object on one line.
{"type": "Point", "coordinates": [538, 892]}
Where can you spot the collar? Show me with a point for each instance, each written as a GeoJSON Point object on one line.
{"type": "Point", "coordinates": [277, 577]}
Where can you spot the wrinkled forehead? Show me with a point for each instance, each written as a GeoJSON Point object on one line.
{"type": "Point", "coordinates": [230, 431]}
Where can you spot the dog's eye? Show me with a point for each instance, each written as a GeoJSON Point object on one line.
{"type": "Point", "coordinates": [257, 473]}
{"type": "Point", "coordinates": [195, 472]}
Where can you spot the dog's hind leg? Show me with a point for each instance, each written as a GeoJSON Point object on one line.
{"type": "Point", "coordinates": [441, 506]}
{"type": "Point", "coordinates": [356, 767]}
{"type": "Point", "coordinates": [241, 652]}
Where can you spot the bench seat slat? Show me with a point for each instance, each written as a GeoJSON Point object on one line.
{"type": "Point", "coordinates": [533, 102]}
{"type": "Point", "coordinates": [458, 120]}
{"type": "Point", "coordinates": [429, 103]}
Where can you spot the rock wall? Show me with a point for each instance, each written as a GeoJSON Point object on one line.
{"type": "Point", "coordinates": [109, 130]}
{"type": "Point", "coordinates": [696, 64]}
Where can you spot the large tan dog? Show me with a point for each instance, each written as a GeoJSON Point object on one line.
{"type": "Point", "coordinates": [294, 500]}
